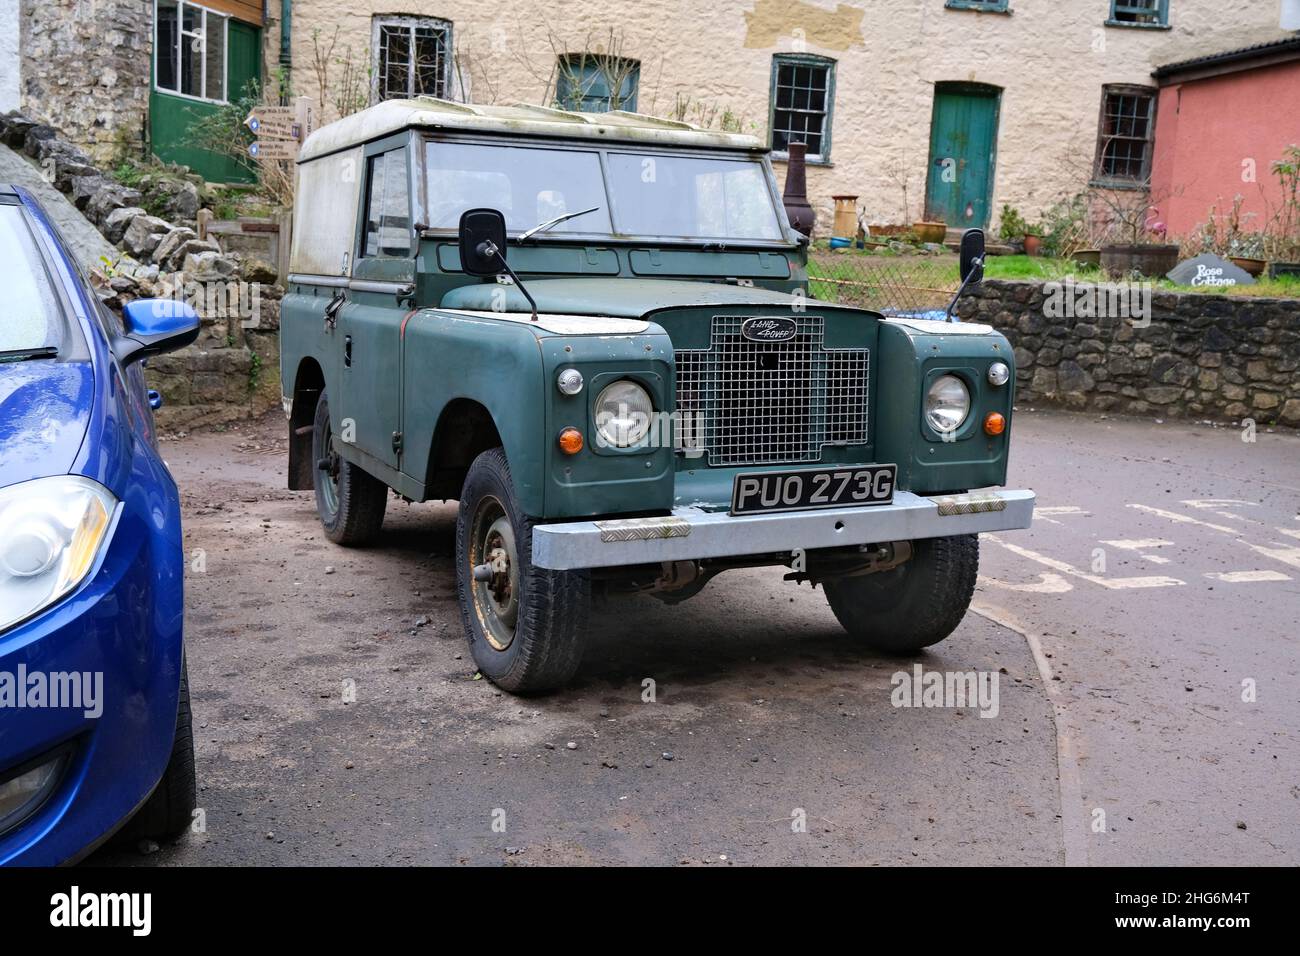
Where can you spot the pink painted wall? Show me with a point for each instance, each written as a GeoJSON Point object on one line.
{"type": "Point", "coordinates": [1206, 129]}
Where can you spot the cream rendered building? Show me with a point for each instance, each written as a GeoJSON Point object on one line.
{"type": "Point", "coordinates": [961, 105]}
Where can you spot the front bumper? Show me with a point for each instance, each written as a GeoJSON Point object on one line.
{"type": "Point", "coordinates": [123, 630]}
{"type": "Point", "coordinates": [689, 534]}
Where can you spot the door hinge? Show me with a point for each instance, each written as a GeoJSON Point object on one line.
{"type": "Point", "coordinates": [397, 443]}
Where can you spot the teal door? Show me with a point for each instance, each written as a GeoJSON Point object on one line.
{"type": "Point", "coordinates": [963, 146]}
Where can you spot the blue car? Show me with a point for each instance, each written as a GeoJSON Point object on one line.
{"type": "Point", "coordinates": [95, 732]}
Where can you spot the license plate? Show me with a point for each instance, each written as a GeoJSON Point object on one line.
{"type": "Point", "coordinates": [809, 490]}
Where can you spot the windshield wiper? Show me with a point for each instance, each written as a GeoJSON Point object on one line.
{"type": "Point", "coordinates": [22, 355]}
{"type": "Point", "coordinates": [543, 226]}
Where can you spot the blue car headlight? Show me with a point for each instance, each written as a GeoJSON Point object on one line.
{"type": "Point", "coordinates": [51, 532]}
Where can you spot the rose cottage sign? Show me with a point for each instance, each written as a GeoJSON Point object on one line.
{"type": "Point", "coordinates": [1207, 269]}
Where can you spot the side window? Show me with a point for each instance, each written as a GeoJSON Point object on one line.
{"type": "Point", "coordinates": [388, 207]}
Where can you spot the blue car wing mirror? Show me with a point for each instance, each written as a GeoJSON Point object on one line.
{"type": "Point", "coordinates": [154, 326]}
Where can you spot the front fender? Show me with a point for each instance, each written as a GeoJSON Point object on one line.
{"type": "Point", "coordinates": [912, 353]}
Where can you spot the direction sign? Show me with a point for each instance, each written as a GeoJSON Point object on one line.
{"type": "Point", "coordinates": [271, 149]}
{"type": "Point", "coordinates": [277, 122]}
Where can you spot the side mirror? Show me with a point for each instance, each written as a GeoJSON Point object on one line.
{"type": "Point", "coordinates": [154, 326]}
{"type": "Point", "coordinates": [482, 242]}
{"type": "Point", "coordinates": [972, 257]}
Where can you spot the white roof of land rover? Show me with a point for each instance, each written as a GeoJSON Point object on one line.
{"type": "Point", "coordinates": [392, 116]}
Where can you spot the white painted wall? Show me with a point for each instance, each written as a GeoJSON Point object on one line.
{"type": "Point", "coordinates": [9, 61]}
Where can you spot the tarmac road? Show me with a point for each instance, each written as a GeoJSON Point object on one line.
{"type": "Point", "coordinates": [339, 721]}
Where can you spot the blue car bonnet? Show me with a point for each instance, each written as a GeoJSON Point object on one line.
{"type": "Point", "coordinates": [45, 408]}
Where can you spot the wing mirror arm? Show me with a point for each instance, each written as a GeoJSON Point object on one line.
{"type": "Point", "coordinates": [489, 249]}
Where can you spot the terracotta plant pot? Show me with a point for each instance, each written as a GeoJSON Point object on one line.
{"type": "Point", "coordinates": [1150, 259]}
{"type": "Point", "coordinates": [1250, 264]}
{"type": "Point", "coordinates": [1087, 258]}
{"type": "Point", "coordinates": [1032, 245]}
{"type": "Point", "coordinates": [930, 231]}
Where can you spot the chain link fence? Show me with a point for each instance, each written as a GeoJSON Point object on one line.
{"type": "Point", "coordinates": [894, 279]}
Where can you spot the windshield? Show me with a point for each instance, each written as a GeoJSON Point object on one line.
{"type": "Point", "coordinates": [655, 195]}
{"type": "Point", "coordinates": [31, 319]}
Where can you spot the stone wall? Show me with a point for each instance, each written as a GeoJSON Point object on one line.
{"type": "Point", "coordinates": [1195, 355]}
{"type": "Point", "coordinates": [85, 69]}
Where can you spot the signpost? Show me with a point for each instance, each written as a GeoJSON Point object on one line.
{"type": "Point", "coordinates": [280, 130]}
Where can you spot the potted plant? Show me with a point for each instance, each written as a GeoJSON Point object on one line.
{"type": "Point", "coordinates": [1248, 253]}
{"type": "Point", "coordinates": [930, 231]}
{"type": "Point", "coordinates": [1033, 240]}
{"type": "Point", "coordinates": [1142, 250]}
{"type": "Point", "coordinates": [1011, 227]}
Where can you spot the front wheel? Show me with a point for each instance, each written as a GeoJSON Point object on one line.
{"type": "Point", "coordinates": [526, 625]}
{"type": "Point", "coordinates": [169, 811]}
{"type": "Point", "coordinates": [914, 605]}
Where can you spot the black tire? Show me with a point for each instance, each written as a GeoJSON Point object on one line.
{"type": "Point", "coordinates": [527, 627]}
{"type": "Point", "coordinates": [914, 605]}
{"type": "Point", "coordinates": [170, 808]}
{"type": "Point", "coordinates": [349, 501]}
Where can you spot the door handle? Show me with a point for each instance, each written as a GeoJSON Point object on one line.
{"type": "Point", "coordinates": [332, 309]}
{"type": "Point", "coordinates": [347, 351]}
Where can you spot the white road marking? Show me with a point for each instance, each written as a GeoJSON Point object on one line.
{"type": "Point", "coordinates": [1115, 584]}
{"type": "Point", "coordinates": [1047, 583]}
{"type": "Point", "coordinates": [1049, 514]}
{"type": "Point", "coordinates": [1216, 504]}
{"type": "Point", "coordinates": [1290, 532]}
{"type": "Point", "coordinates": [1141, 545]}
{"type": "Point", "coordinates": [1186, 519]}
{"type": "Point", "coordinates": [1286, 555]}
{"type": "Point", "coordinates": [1246, 577]}
{"type": "Point", "coordinates": [1074, 832]}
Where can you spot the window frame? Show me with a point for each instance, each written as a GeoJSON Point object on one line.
{"type": "Point", "coordinates": [979, 6]}
{"type": "Point", "coordinates": [582, 59]}
{"type": "Point", "coordinates": [823, 157]}
{"type": "Point", "coordinates": [1161, 11]}
{"type": "Point", "coordinates": [225, 53]}
{"type": "Point", "coordinates": [1099, 177]}
{"type": "Point", "coordinates": [411, 22]}
{"type": "Point", "coordinates": [371, 162]}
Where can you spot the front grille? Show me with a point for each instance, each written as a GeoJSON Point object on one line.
{"type": "Point", "coordinates": [748, 403]}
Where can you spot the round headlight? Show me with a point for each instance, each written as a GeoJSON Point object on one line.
{"type": "Point", "coordinates": [623, 412]}
{"type": "Point", "coordinates": [947, 404]}
{"type": "Point", "coordinates": [569, 381]}
{"type": "Point", "coordinates": [999, 373]}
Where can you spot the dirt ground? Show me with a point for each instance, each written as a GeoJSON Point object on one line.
{"type": "Point", "coordinates": [339, 719]}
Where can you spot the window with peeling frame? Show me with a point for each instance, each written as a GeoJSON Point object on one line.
{"type": "Point", "coordinates": [412, 57]}
{"type": "Point", "coordinates": [1125, 134]}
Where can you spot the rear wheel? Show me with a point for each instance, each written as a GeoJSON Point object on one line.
{"type": "Point", "coordinates": [526, 625]}
{"type": "Point", "coordinates": [914, 605]}
{"type": "Point", "coordinates": [349, 501]}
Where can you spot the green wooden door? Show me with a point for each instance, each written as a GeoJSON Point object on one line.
{"type": "Point", "coordinates": [963, 147]}
{"type": "Point", "coordinates": [171, 116]}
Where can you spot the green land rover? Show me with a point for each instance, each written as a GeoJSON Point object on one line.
{"type": "Point", "coordinates": [593, 331]}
